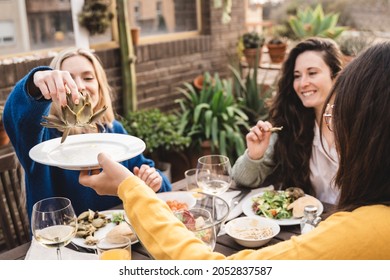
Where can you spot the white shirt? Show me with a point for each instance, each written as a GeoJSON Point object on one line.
{"type": "Point", "coordinates": [323, 169]}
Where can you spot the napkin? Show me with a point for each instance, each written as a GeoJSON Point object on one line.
{"type": "Point", "coordinates": [38, 252]}
{"type": "Point", "coordinates": [228, 196]}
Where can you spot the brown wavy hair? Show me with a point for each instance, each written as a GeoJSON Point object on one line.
{"type": "Point", "coordinates": [361, 125]}
{"type": "Point", "coordinates": [293, 148]}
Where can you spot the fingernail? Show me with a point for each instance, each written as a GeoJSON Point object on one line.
{"type": "Point", "coordinates": [76, 101]}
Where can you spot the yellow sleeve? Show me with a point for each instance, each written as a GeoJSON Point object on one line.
{"type": "Point", "coordinates": [340, 236]}
{"type": "Point", "coordinates": [163, 235]}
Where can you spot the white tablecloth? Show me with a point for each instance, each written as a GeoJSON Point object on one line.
{"type": "Point", "coordinates": [38, 252]}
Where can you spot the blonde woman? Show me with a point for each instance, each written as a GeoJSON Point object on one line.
{"type": "Point", "coordinates": [42, 92]}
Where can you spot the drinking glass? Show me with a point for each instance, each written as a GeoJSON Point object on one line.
{"type": "Point", "coordinates": [214, 174]}
{"type": "Point", "coordinates": [54, 222]}
{"type": "Point", "coordinates": [114, 248]}
{"type": "Point", "coordinates": [192, 184]}
{"type": "Point", "coordinates": [200, 222]}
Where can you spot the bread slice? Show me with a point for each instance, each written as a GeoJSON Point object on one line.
{"type": "Point", "coordinates": [298, 206]}
{"type": "Point", "coordinates": [123, 229]}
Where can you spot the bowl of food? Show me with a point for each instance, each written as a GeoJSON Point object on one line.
{"type": "Point", "coordinates": [252, 232]}
{"type": "Point", "coordinates": [217, 206]}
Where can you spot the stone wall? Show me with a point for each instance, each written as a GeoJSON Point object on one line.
{"type": "Point", "coordinates": [161, 67]}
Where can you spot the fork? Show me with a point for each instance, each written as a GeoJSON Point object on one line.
{"type": "Point", "coordinates": [237, 199]}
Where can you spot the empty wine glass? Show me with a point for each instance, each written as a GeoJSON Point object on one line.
{"type": "Point", "coordinates": [54, 222]}
{"type": "Point", "coordinates": [200, 223]}
{"type": "Point", "coordinates": [214, 174]}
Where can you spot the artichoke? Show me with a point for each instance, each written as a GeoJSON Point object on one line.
{"type": "Point", "coordinates": [74, 115]}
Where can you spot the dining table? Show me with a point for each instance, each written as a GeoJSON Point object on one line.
{"type": "Point", "coordinates": [225, 244]}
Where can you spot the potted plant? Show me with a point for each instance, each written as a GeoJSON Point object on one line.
{"type": "Point", "coordinates": [253, 97]}
{"type": "Point", "coordinates": [213, 116]}
{"type": "Point", "coordinates": [314, 22]}
{"type": "Point", "coordinates": [252, 43]}
{"type": "Point", "coordinates": [277, 47]}
{"type": "Point", "coordinates": [4, 139]}
{"type": "Point", "coordinates": [161, 135]}
{"type": "Point", "coordinates": [96, 16]}
{"type": "Point", "coordinates": [352, 45]}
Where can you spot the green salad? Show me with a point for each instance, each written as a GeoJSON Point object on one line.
{"type": "Point", "coordinates": [273, 204]}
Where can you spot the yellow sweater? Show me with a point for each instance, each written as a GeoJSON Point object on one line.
{"type": "Point", "coordinates": [361, 234]}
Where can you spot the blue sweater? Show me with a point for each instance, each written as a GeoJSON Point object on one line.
{"type": "Point", "coordinates": [22, 117]}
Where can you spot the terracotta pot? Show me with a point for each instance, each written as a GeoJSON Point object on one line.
{"type": "Point", "coordinates": [135, 33]}
{"type": "Point", "coordinates": [4, 139]}
{"type": "Point", "coordinates": [250, 56]}
{"type": "Point", "coordinates": [277, 52]}
{"type": "Point", "coordinates": [198, 82]}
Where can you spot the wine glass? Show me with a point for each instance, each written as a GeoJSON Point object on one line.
{"type": "Point", "coordinates": [214, 174]}
{"type": "Point", "coordinates": [200, 222]}
{"type": "Point", "coordinates": [54, 222]}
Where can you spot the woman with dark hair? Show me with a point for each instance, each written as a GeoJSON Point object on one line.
{"type": "Point", "coordinates": [360, 229]}
{"type": "Point", "coordinates": [294, 156]}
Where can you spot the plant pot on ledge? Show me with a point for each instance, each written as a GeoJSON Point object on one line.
{"type": "Point", "coordinates": [4, 139]}
{"type": "Point", "coordinates": [250, 56]}
{"type": "Point", "coordinates": [277, 52]}
{"type": "Point", "coordinates": [252, 43]}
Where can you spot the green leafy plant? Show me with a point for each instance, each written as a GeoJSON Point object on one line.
{"type": "Point", "coordinates": [95, 16]}
{"type": "Point", "coordinates": [212, 114]}
{"type": "Point", "coordinates": [252, 40]}
{"type": "Point", "coordinates": [252, 96]}
{"type": "Point", "coordinates": [351, 45]}
{"type": "Point", "coordinates": [159, 131]}
{"type": "Point", "coordinates": [313, 22]}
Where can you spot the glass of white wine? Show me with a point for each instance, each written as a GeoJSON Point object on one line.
{"type": "Point", "coordinates": [54, 222]}
{"type": "Point", "coordinates": [214, 174]}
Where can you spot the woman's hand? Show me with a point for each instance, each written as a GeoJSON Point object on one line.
{"type": "Point", "coordinates": [257, 140]}
{"type": "Point", "coordinates": [150, 176]}
{"type": "Point", "coordinates": [54, 84]}
{"type": "Point", "coordinates": [105, 182]}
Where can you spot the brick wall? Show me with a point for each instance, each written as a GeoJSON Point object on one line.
{"type": "Point", "coordinates": [161, 67]}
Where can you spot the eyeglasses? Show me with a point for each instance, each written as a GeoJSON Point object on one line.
{"type": "Point", "coordinates": [328, 116]}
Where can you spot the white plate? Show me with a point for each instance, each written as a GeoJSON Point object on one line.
{"type": "Point", "coordinates": [183, 197]}
{"type": "Point", "coordinates": [247, 209]}
{"type": "Point", "coordinates": [79, 152]}
{"type": "Point", "coordinates": [101, 232]}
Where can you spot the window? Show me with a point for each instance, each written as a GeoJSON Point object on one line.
{"type": "Point", "coordinates": [33, 25]}
{"type": "Point", "coordinates": [7, 31]}
{"type": "Point", "coordinates": [164, 17]}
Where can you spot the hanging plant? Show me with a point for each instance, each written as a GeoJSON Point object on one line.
{"type": "Point", "coordinates": [95, 16]}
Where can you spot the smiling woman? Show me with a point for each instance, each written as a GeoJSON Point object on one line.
{"type": "Point", "coordinates": [44, 91]}
{"type": "Point", "coordinates": [306, 79]}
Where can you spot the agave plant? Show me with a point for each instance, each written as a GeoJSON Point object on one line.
{"type": "Point", "coordinates": [74, 115]}
{"type": "Point", "coordinates": [212, 114]}
{"type": "Point", "coordinates": [252, 96]}
{"type": "Point", "coordinates": [313, 22]}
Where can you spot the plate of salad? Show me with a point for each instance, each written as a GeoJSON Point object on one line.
{"type": "Point", "coordinates": [275, 205]}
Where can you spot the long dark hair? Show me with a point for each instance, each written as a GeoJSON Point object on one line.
{"type": "Point", "coordinates": [294, 145]}
{"type": "Point", "coordinates": [361, 125]}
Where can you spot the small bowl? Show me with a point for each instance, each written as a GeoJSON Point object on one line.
{"type": "Point", "coordinates": [251, 232]}
{"type": "Point", "coordinates": [182, 197]}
